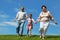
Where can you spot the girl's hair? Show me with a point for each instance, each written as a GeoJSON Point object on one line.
{"type": "Point", "coordinates": [30, 15]}
{"type": "Point", "coordinates": [43, 6]}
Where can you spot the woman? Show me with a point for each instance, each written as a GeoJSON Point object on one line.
{"type": "Point", "coordinates": [44, 18]}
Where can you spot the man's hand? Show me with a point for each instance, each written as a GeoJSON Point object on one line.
{"type": "Point", "coordinates": [14, 20]}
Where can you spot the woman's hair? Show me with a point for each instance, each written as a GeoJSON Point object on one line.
{"type": "Point", "coordinates": [43, 6]}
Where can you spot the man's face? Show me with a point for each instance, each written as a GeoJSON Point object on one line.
{"type": "Point", "coordinates": [22, 8]}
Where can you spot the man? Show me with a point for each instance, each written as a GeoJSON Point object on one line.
{"type": "Point", "coordinates": [20, 17]}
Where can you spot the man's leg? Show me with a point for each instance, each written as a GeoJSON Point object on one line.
{"type": "Point", "coordinates": [22, 27]}
{"type": "Point", "coordinates": [18, 28]}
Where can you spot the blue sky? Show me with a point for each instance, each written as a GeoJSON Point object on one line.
{"type": "Point", "coordinates": [9, 8]}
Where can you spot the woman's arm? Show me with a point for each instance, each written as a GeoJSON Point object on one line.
{"type": "Point", "coordinates": [51, 18]}
{"type": "Point", "coordinates": [39, 17]}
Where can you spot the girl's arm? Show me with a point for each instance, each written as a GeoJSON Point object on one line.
{"type": "Point", "coordinates": [33, 20]}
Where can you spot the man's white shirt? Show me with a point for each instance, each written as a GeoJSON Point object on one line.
{"type": "Point", "coordinates": [21, 15]}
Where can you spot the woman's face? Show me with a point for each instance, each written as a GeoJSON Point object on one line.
{"type": "Point", "coordinates": [44, 9]}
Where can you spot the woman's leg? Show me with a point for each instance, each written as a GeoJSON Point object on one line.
{"type": "Point", "coordinates": [41, 29]}
{"type": "Point", "coordinates": [46, 24]}
{"type": "Point", "coordinates": [41, 32]}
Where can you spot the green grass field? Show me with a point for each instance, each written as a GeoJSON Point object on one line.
{"type": "Point", "coordinates": [14, 37]}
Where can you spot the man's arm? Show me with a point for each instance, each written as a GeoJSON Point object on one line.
{"type": "Point", "coordinates": [16, 17]}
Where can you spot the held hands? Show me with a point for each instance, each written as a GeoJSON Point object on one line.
{"type": "Point", "coordinates": [35, 22]}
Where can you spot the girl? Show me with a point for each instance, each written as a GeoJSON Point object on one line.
{"type": "Point", "coordinates": [30, 25]}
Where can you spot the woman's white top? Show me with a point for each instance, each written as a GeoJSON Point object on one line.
{"type": "Point", "coordinates": [44, 16]}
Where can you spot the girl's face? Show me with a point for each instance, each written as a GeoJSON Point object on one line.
{"type": "Point", "coordinates": [30, 16]}
{"type": "Point", "coordinates": [44, 9]}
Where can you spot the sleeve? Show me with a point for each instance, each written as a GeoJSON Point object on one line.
{"type": "Point", "coordinates": [33, 20]}
{"type": "Point", "coordinates": [51, 17]}
{"type": "Point", "coordinates": [38, 19]}
{"type": "Point", "coordinates": [40, 15]}
{"type": "Point", "coordinates": [17, 15]}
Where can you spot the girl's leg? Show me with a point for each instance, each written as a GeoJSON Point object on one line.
{"type": "Point", "coordinates": [29, 31]}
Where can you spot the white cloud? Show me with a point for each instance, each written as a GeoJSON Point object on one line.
{"type": "Point", "coordinates": [14, 24]}
{"type": "Point", "coordinates": [3, 16]}
{"type": "Point", "coordinates": [2, 24]}
{"type": "Point", "coordinates": [11, 23]}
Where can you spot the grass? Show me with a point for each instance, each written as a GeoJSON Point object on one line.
{"type": "Point", "coordinates": [35, 37]}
